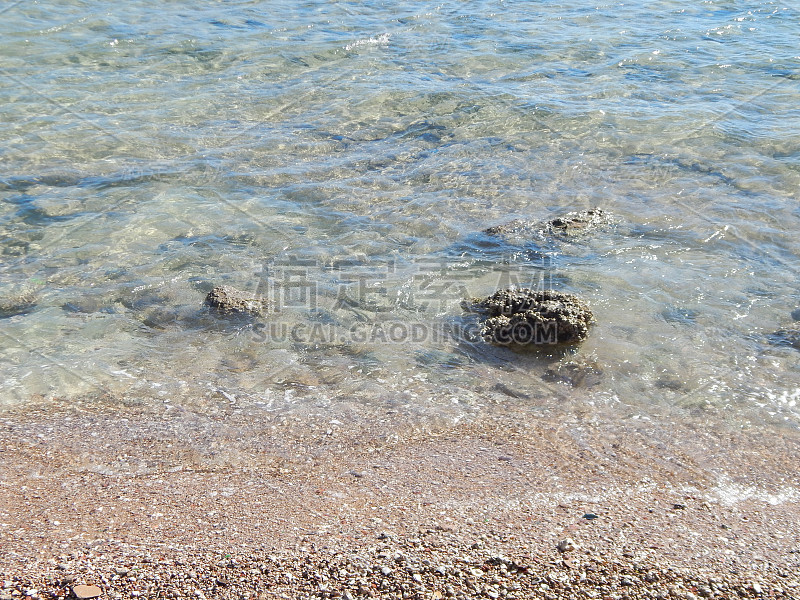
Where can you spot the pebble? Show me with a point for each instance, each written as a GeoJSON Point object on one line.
{"type": "Point", "coordinates": [705, 591]}
{"type": "Point", "coordinates": [566, 545]}
{"type": "Point", "coordinates": [85, 592]}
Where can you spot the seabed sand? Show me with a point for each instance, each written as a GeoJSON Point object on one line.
{"type": "Point", "coordinates": [241, 504]}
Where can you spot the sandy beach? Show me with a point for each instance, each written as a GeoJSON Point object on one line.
{"type": "Point", "coordinates": [237, 505]}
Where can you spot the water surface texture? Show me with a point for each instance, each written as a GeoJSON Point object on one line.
{"type": "Point", "coordinates": [343, 158]}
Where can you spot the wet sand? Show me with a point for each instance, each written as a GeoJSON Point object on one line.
{"type": "Point", "coordinates": [241, 504]}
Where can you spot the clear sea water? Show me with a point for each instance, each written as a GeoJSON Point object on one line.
{"type": "Point", "coordinates": [342, 159]}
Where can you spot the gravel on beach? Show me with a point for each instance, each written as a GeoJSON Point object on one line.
{"type": "Point", "coordinates": [435, 563]}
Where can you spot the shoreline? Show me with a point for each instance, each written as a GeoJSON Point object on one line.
{"type": "Point", "coordinates": [91, 493]}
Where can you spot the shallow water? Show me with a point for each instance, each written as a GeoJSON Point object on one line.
{"type": "Point", "coordinates": [343, 158]}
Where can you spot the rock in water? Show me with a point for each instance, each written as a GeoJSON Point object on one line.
{"type": "Point", "coordinates": [578, 222]}
{"type": "Point", "coordinates": [789, 336]}
{"type": "Point", "coordinates": [18, 304]}
{"type": "Point", "coordinates": [524, 317]}
{"type": "Point", "coordinates": [514, 228]}
{"type": "Point", "coordinates": [577, 373]}
{"type": "Point", "coordinates": [227, 300]}
{"type": "Point", "coordinates": [570, 225]}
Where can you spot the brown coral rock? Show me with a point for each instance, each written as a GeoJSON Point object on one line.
{"type": "Point", "coordinates": [524, 317]}
{"type": "Point", "coordinates": [228, 300]}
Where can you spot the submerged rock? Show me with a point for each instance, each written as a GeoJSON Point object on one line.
{"type": "Point", "coordinates": [228, 300]}
{"type": "Point", "coordinates": [17, 304]}
{"type": "Point", "coordinates": [524, 317]}
{"type": "Point", "coordinates": [789, 336]}
{"type": "Point", "coordinates": [570, 225]}
{"type": "Point", "coordinates": [577, 373]}
{"type": "Point", "coordinates": [513, 228]}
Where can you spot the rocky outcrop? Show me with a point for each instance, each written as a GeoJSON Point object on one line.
{"type": "Point", "coordinates": [227, 300]}
{"type": "Point", "coordinates": [524, 317]}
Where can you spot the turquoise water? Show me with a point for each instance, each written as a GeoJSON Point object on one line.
{"type": "Point", "coordinates": [342, 159]}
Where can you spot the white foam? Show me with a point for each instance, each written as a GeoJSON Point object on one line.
{"type": "Point", "coordinates": [730, 493]}
{"type": "Point", "coordinates": [381, 40]}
